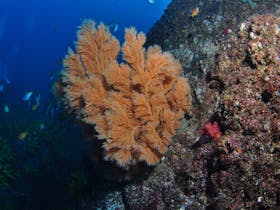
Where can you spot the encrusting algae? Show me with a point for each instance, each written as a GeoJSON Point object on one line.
{"type": "Point", "coordinates": [135, 106]}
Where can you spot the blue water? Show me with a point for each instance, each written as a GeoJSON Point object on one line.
{"type": "Point", "coordinates": [35, 35]}
{"type": "Point", "coordinates": [34, 38]}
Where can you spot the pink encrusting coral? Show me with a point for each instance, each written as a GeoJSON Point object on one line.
{"type": "Point", "coordinates": [212, 130]}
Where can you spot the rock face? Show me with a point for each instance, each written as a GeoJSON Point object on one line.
{"type": "Point", "coordinates": [231, 60]}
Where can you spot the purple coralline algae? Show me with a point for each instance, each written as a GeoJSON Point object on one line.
{"type": "Point", "coordinates": [248, 70]}
{"type": "Point", "coordinates": [235, 81]}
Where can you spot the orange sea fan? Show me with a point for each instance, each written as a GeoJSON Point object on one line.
{"type": "Point", "coordinates": [135, 106]}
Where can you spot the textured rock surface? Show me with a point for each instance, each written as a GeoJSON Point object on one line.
{"type": "Point", "coordinates": [241, 170]}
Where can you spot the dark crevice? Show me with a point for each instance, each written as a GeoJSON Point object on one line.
{"type": "Point", "coordinates": [266, 96]}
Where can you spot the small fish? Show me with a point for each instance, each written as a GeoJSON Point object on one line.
{"type": "Point", "coordinates": [151, 1]}
{"type": "Point", "coordinates": [5, 76]}
{"type": "Point", "coordinates": [34, 107]}
{"type": "Point", "coordinates": [116, 27]}
{"type": "Point", "coordinates": [37, 99]}
{"type": "Point", "coordinates": [194, 12]}
{"type": "Point", "coordinates": [6, 108]}
{"type": "Point", "coordinates": [22, 135]}
{"type": "Point", "coordinates": [52, 75]}
{"type": "Point", "coordinates": [42, 126]}
{"type": "Point", "coordinates": [7, 80]}
{"type": "Point", "coordinates": [27, 96]}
